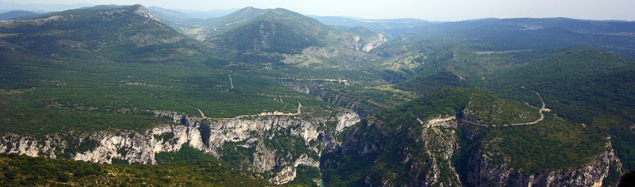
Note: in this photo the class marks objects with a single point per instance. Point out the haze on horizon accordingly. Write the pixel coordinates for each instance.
(433, 10)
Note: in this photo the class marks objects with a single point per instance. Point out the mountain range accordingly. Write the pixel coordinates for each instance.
(271, 96)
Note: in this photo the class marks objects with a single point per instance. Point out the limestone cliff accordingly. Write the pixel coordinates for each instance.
(484, 173)
(400, 158)
(397, 158)
(215, 136)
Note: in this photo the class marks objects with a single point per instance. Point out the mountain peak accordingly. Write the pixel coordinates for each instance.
(282, 11)
(132, 31)
(248, 10)
(143, 11)
(272, 30)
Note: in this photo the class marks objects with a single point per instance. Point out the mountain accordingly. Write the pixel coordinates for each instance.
(482, 46)
(536, 33)
(459, 137)
(503, 72)
(163, 13)
(209, 14)
(581, 83)
(377, 24)
(393, 28)
(287, 32)
(582, 26)
(171, 17)
(277, 30)
(291, 30)
(204, 28)
(18, 15)
(586, 70)
(221, 24)
(122, 34)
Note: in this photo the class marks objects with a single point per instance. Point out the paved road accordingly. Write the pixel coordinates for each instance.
(541, 110)
(542, 116)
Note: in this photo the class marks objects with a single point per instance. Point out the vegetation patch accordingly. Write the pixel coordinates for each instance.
(186, 153)
(29, 171)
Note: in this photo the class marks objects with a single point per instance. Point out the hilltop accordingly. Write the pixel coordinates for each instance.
(119, 34)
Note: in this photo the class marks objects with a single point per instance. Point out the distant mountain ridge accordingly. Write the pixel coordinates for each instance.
(393, 28)
(130, 32)
(210, 13)
(277, 30)
(202, 29)
(536, 33)
(583, 26)
(270, 31)
(18, 14)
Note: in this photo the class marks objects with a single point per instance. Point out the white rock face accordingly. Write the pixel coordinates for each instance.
(105, 15)
(264, 159)
(590, 174)
(374, 42)
(20, 145)
(286, 175)
(140, 147)
(305, 160)
(447, 122)
(346, 120)
(142, 11)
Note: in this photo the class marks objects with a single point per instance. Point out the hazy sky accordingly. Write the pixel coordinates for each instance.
(434, 10)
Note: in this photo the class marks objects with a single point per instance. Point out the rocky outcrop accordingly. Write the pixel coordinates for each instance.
(447, 122)
(346, 120)
(286, 175)
(105, 14)
(483, 173)
(432, 167)
(371, 43)
(208, 135)
(103, 147)
(329, 96)
(321, 90)
(142, 11)
(423, 158)
(23, 145)
(140, 148)
(360, 40)
(428, 159)
(110, 29)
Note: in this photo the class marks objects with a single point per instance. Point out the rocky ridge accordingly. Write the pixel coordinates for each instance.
(429, 160)
(98, 30)
(208, 135)
(591, 174)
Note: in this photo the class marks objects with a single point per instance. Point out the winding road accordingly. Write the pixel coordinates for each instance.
(541, 110)
(542, 116)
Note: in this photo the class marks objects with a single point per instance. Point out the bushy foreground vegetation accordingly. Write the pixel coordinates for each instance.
(28, 171)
